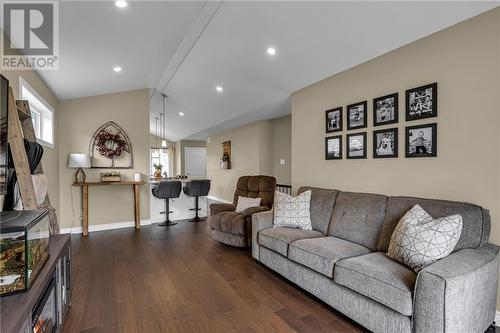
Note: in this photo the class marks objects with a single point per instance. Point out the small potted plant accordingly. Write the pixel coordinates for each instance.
(158, 167)
(110, 176)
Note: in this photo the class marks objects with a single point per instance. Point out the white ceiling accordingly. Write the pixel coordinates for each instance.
(186, 49)
(95, 36)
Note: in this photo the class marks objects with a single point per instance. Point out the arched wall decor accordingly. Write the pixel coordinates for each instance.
(110, 148)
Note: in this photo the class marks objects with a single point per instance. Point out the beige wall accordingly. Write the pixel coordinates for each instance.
(79, 118)
(50, 160)
(282, 149)
(255, 149)
(266, 148)
(180, 168)
(245, 159)
(464, 60)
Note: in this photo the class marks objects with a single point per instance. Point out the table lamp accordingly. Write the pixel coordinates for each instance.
(79, 161)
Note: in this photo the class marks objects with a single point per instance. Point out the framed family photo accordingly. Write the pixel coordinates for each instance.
(421, 141)
(333, 120)
(421, 102)
(385, 110)
(385, 143)
(356, 115)
(356, 145)
(333, 147)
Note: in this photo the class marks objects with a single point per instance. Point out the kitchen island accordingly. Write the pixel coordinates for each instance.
(179, 206)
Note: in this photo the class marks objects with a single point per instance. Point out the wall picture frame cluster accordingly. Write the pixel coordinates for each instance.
(420, 140)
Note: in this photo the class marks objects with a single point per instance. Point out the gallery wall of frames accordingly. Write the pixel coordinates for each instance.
(420, 140)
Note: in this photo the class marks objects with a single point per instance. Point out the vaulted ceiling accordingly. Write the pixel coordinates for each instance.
(185, 49)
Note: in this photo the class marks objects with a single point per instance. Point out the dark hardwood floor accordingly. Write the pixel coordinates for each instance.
(178, 280)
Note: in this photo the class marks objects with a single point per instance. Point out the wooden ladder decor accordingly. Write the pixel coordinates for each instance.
(19, 157)
(21, 127)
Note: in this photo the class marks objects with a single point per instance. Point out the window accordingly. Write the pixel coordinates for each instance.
(159, 156)
(42, 114)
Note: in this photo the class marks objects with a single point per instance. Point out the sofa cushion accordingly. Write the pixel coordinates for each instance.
(380, 278)
(228, 222)
(358, 217)
(322, 202)
(476, 220)
(278, 239)
(321, 254)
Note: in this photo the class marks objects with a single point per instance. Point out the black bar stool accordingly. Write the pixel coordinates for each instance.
(197, 188)
(167, 190)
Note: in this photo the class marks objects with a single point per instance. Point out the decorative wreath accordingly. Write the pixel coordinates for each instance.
(110, 145)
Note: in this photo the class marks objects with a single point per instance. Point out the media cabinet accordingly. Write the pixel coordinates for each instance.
(49, 298)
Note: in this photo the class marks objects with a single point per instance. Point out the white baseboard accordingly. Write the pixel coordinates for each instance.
(497, 318)
(219, 199)
(102, 227)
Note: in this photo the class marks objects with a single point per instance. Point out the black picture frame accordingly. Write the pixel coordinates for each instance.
(410, 104)
(348, 150)
(340, 121)
(352, 108)
(377, 110)
(433, 136)
(331, 156)
(377, 151)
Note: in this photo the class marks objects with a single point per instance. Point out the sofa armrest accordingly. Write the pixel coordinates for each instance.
(221, 207)
(253, 210)
(457, 293)
(260, 221)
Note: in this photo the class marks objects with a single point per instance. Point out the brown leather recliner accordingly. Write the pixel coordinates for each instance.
(232, 228)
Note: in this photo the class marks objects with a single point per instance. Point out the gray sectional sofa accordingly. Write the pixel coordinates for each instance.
(343, 262)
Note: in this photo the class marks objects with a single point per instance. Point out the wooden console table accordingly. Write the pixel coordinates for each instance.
(85, 201)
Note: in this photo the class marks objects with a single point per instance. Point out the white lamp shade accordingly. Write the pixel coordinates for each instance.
(79, 161)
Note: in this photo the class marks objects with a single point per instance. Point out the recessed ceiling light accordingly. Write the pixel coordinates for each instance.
(271, 51)
(181, 114)
(121, 3)
(117, 69)
(219, 89)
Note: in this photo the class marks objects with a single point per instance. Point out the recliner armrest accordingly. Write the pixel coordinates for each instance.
(221, 207)
(253, 210)
(260, 221)
(457, 293)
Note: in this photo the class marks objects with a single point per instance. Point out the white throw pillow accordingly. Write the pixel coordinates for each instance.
(292, 212)
(244, 203)
(419, 240)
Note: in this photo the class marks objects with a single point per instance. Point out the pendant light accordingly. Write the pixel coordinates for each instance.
(164, 134)
(156, 152)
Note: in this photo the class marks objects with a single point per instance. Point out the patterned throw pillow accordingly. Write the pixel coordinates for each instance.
(292, 212)
(419, 240)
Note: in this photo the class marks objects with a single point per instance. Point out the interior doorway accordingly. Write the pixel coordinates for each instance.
(195, 161)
